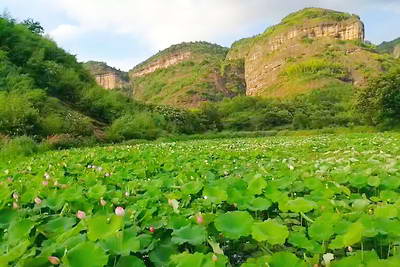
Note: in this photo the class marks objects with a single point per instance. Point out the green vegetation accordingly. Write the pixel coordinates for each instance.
(205, 76)
(197, 48)
(244, 202)
(388, 47)
(380, 101)
(316, 68)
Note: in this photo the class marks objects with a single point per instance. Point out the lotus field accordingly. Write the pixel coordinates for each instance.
(278, 201)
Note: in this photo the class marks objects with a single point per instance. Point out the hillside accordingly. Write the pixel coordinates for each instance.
(108, 77)
(392, 47)
(44, 91)
(186, 75)
(310, 49)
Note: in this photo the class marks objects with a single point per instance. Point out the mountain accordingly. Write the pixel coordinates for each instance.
(310, 49)
(186, 75)
(392, 47)
(108, 77)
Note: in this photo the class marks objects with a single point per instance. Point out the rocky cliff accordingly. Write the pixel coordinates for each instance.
(396, 51)
(324, 38)
(106, 76)
(186, 75)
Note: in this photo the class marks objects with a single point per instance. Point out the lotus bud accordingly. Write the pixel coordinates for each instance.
(214, 258)
(45, 183)
(38, 201)
(152, 229)
(15, 205)
(103, 202)
(127, 194)
(119, 211)
(47, 176)
(54, 260)
(350, 249)
(15, 196)
(81, 215)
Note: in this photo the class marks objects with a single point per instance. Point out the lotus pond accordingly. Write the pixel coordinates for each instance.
(278, 201)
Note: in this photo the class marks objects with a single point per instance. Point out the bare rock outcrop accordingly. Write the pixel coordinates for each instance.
(162, 63)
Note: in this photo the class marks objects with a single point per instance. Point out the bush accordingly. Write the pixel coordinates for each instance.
(379, 102)
(66, 141)
(19, 147)
(144, 125)
(17, 114)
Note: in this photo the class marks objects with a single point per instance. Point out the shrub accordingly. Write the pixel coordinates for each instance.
(19, 147)
(144, 125)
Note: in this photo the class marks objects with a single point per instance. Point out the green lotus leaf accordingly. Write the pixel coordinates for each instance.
(374, 181)
(270, 231)
(14, 253)
(19, 230)
(97, 191)
(192, 188)
(386, 211)
(256, 185)
(6, 217)
(321, 230)
(285, 259)
(299, 239)
(130, 261)
(391, 182)
(360, 204)
(198, 260)
(122, 243)
(301, 205)
(354, 234)
(259, 204)
(86, 254)
(101, 226)
(57, 226)
(215, 194)
(194, 235)
(161, 255)
(234, 224)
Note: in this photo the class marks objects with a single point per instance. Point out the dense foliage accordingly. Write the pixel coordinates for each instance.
(278, 201)
(380, 101)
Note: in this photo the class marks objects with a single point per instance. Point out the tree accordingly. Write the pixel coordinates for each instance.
(33, 26)
(379, 102)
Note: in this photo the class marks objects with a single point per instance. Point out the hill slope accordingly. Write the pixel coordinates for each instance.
(392, 47)
(310, 49)
(45, 91)
(187, 74)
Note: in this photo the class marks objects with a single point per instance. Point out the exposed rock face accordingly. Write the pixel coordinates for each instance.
(109, 80)
(267, 54)
(396, 51)
(162, 63)
(106, 76)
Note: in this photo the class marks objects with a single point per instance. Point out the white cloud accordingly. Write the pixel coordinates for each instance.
(161, 23)
(65, 32)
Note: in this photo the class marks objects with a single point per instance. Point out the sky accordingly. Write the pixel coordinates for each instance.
(124, 33)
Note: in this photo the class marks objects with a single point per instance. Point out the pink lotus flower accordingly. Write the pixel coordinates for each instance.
(119, 211)
(81, 215)
(103, 202)
(200, 218)
(152, 229)
(38, 201)
(54, 260)
(45, 183)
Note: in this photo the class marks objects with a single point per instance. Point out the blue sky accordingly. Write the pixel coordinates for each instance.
(125, 32)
